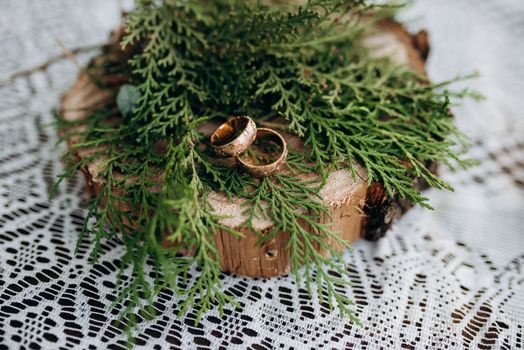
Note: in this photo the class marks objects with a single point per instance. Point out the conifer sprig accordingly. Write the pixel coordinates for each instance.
(196, 60)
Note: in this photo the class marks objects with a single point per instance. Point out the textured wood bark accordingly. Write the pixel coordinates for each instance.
(356, 210)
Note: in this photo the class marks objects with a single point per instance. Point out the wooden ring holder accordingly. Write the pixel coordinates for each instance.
(356, 210)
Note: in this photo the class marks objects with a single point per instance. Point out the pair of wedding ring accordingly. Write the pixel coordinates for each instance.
(233, 138)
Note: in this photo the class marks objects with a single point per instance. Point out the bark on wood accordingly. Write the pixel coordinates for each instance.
(356, 210)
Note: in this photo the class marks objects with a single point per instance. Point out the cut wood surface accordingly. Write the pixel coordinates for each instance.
(356, 210)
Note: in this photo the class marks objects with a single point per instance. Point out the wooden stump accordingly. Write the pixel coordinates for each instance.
(355, 209)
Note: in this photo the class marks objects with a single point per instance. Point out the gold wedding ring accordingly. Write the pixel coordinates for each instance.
(257, 170)
(234, 136)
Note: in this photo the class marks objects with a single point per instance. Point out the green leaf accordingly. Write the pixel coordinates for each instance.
(127, 99)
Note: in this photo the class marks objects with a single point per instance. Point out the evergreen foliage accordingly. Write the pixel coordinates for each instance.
(193, 61)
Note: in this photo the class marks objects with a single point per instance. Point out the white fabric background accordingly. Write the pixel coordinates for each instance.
(449, 278)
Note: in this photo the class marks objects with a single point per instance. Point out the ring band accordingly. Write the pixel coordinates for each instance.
(266, 169)
(234, 136)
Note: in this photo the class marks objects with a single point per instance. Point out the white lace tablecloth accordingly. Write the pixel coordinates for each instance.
(449, 278)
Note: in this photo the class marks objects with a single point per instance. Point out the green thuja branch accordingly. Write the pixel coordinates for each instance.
(305, 70)
(294, 205)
